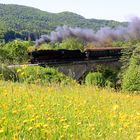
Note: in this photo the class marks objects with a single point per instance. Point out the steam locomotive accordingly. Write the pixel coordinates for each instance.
(43, 56)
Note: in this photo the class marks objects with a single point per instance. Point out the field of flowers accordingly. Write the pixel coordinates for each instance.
(35, 112)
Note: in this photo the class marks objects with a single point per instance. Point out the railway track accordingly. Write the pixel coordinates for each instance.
(57, 63)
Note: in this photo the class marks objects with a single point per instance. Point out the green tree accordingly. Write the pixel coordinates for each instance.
(71, 44)
(131, 77)
(17, 51)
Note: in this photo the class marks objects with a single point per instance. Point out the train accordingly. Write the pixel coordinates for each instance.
(100, 53)
(60, 55)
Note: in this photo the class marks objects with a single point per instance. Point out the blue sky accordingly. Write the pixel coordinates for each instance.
(120, 10)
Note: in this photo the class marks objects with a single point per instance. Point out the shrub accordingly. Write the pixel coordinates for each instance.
(131, 77)
(7, 73)
(94, 78)
(110, 75)
(16, 51)
(34, 74)
(109, 84)
(4, 57)
(37, 74)
(71, 44)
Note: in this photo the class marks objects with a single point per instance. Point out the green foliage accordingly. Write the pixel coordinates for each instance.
(127, 44)
(94, 78)
(4, 58)
(105, 77)
(125, 58)
(49, 46)
(34, 74)
(71, 44)
(7, 73)
(110, 75)
(131, 77)
(68, 43)
(14, 52)
(42, 75)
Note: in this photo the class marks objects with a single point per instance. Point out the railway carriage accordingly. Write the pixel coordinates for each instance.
(43, 56)
(99, 53)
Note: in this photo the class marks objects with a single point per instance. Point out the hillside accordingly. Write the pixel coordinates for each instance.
(26, 21)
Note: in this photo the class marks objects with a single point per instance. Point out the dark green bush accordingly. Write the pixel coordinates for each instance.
(94, 78)
(131, 76)
(4, 57)
(110, 75)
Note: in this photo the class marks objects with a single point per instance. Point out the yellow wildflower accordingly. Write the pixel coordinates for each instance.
(15, 137)
(66, 126)
(112, 124)
(79, 123)
(138, 137)
(32, 120)
(120, 129)
(39, 125)
(18, 70)
(30, 129)
(23, 73)
(115, 107)
(14, 112)
(1, 130)
(3, 118)
(25, 121)
(45, 126)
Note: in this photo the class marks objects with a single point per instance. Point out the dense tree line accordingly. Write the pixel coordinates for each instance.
(24, 35)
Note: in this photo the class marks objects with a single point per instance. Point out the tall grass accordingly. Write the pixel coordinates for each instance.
(35, 112)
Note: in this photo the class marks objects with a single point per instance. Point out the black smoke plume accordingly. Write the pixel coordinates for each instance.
(132, 31)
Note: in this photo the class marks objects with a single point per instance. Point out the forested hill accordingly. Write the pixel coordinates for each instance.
(26, 22)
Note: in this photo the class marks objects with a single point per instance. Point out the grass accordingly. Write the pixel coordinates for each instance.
(38, 112)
